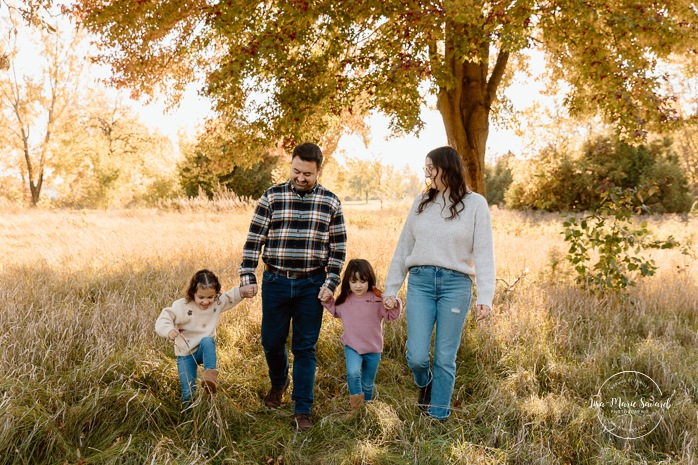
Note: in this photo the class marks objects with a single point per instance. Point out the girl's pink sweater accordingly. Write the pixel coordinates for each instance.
(362, 319)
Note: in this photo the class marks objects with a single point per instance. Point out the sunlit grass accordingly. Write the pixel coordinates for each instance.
(84, 379)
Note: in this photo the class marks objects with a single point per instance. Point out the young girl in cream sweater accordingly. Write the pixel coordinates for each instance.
(191, 323)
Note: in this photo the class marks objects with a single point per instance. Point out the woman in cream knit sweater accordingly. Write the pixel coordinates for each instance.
(445, 245)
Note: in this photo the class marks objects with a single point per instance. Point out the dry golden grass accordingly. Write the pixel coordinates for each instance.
(84, 379)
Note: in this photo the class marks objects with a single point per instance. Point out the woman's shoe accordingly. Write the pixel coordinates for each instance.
(424, 398)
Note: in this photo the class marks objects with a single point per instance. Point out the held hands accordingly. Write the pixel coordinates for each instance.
(483, 311)
(389, 302)
(249, 291)
(325, 294)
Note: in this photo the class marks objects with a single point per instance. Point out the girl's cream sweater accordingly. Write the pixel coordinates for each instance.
(192, 322)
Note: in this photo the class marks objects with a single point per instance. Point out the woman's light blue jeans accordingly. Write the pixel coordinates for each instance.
(436, 297)
(204, 355)
(361, 371)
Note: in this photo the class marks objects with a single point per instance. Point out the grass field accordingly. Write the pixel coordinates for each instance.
(85, 380)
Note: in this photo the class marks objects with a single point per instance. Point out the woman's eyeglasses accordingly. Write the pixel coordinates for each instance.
(428, 170)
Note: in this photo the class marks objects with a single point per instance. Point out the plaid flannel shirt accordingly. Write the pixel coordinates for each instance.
(299, 233)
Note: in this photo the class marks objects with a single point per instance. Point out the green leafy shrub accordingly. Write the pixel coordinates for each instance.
(498, 178)
(203, 171)
(543, 183)
(560, 180)
(606, 244)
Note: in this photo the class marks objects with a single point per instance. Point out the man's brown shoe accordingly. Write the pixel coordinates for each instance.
(273, 398)
(302, 422)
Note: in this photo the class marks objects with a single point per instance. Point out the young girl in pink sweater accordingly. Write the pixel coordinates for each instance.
(360, 307)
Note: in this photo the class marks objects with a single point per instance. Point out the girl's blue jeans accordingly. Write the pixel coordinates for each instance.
(187, 365)
(436, 298)
(361, 371)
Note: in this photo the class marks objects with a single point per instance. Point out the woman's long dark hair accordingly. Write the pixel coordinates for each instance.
(202, 279)
(361, 268)
(449, 163)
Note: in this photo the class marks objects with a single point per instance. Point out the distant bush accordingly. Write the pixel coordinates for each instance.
(200, 172)
(161, 188)
(10, 190)
(539, 183)
(498, 178)
(559, 180)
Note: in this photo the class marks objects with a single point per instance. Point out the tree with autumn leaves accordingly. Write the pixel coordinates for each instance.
(34, 110)
(286, 71)
(60, 133)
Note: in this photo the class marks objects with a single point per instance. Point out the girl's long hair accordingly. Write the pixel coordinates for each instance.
(449, 163)
(361, 268)
(202, 279)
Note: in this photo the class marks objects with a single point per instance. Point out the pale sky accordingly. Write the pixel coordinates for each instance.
(409, 150)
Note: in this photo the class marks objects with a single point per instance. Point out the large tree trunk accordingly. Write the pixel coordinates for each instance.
(465, 107)
(466, 120)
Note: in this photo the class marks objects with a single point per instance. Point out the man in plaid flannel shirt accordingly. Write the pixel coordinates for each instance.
(300, 226)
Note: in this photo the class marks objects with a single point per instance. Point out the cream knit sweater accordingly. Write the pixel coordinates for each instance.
(192, 322)
(462, 244)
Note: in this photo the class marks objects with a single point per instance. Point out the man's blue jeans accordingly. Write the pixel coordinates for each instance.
(204, 355)
(287, 302)
(436, 297)
(361, 371)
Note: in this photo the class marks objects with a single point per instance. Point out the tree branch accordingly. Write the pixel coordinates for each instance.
(496, 77)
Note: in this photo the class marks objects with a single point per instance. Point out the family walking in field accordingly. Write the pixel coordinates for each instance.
(298, 230)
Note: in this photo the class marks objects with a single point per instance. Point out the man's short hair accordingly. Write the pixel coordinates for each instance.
(308, 152)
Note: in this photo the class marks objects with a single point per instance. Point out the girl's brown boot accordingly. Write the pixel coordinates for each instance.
(210, 381)
(356, 401)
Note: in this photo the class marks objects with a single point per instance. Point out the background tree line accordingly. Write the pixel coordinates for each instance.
(67, 140)
(213, 162)
(78, 145)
